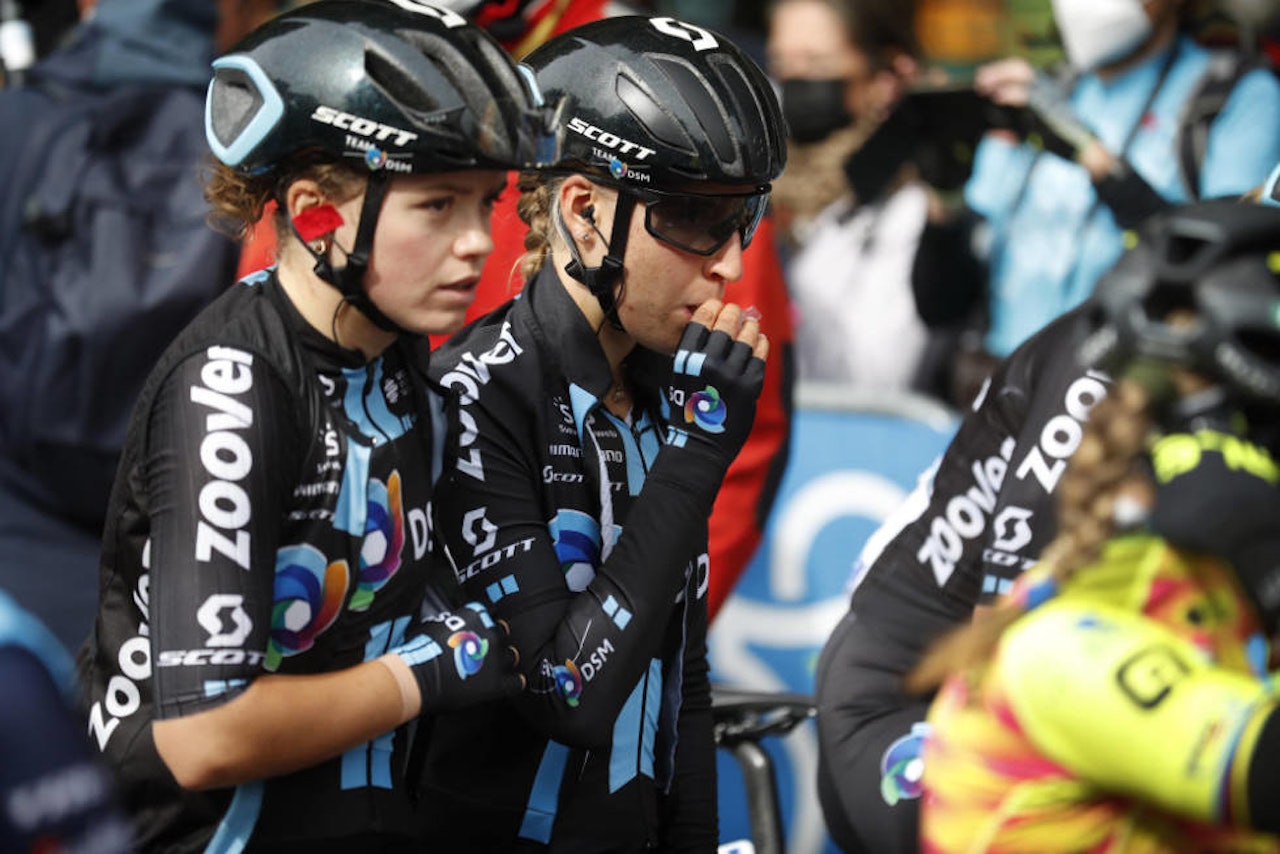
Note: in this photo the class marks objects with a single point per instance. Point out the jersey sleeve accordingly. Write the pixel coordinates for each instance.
(220, 458)
(583, 650)
(1135, 709)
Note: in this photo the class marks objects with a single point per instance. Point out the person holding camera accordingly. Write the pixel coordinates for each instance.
(1146, 118)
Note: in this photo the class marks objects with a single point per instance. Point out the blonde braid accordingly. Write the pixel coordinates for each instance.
(534, 208)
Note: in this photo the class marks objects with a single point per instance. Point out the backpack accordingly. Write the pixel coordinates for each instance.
(1219, 80)
(105, 254)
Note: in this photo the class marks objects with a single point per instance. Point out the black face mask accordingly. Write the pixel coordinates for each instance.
(814, 109)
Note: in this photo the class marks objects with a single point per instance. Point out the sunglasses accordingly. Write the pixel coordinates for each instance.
(701, 224)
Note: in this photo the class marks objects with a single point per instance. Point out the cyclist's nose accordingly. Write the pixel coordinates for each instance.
(726, 265)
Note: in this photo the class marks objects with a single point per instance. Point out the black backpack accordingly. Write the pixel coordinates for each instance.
(105, 254)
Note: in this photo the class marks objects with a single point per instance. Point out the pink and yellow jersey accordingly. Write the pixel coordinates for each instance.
(1119, 716)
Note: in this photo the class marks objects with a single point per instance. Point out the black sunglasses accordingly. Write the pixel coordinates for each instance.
(701, 224)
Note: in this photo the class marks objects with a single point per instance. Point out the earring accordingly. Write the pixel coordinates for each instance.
(320, 246)
(585, 237)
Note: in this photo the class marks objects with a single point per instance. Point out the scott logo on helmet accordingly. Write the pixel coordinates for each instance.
(608, 140)
(363, 127)
(448, 17)
(698, 37)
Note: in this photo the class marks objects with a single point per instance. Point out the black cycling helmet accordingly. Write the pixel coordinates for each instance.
(670, 114)
(399, 86)
(1218, 259)
(656, 103)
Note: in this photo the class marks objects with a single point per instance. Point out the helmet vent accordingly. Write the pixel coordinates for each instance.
(233, 103)
(1165, 299)
(396, 82)
(651, 116)
(1182, 249)
(707, 111)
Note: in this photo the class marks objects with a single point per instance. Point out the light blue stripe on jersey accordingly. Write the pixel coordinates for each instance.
(236, 826)
(652, 706)
(635, 464)
(352, 509)
(370, 412)
(636, 729)
(369, 764)
(540, 813)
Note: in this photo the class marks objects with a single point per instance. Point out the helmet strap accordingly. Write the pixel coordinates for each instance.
(601, 280)
(349, 279)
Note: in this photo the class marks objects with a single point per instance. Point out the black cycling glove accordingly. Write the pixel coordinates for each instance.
(715, 382)
(1216, 492)
(461, 659)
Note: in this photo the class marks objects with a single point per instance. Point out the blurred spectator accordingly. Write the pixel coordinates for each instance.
(104, 255)
(54, 794)
(842, 65)
(1099, 152)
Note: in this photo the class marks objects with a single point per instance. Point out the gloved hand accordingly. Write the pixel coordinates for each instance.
(1217, 493)
(1051, 124)
(715, 381)
(462, 658)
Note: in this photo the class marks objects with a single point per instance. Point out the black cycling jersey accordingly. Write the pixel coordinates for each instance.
(270, 516)
(579, 529)
(975, 522)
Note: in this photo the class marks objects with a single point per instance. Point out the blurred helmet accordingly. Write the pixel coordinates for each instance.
(399, 85)
(655, 103)
(1200, 289)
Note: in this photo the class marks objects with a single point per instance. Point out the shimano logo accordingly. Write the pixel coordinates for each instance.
(225, 508)
(362, 127)
(611, 141)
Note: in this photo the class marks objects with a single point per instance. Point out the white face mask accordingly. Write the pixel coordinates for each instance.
(1098, 32)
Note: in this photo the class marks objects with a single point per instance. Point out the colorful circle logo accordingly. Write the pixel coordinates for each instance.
(902, 766)
(706, 409)
(375, 158)
(617, 168)
(469, 650)
(569, 682)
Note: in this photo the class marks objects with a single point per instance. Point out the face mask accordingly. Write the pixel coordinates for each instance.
(814, 108)
(1098, 32)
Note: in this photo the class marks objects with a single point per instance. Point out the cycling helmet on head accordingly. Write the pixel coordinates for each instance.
(662, 109)
(1218, 262)
(658, 103)
(397, 85)
(391, 86)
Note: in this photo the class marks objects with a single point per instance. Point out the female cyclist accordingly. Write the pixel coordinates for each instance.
(256, 649)
(1118, 698)
(589, 457)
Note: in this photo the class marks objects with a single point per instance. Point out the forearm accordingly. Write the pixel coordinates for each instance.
(269, 730)
(1131, 199)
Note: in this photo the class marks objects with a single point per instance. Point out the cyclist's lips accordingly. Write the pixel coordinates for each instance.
(460, 288)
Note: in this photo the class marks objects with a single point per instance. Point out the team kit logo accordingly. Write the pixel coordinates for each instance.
(706, 409)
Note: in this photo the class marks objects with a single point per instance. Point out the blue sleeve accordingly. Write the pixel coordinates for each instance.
(1244, 143)
(54, 796)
